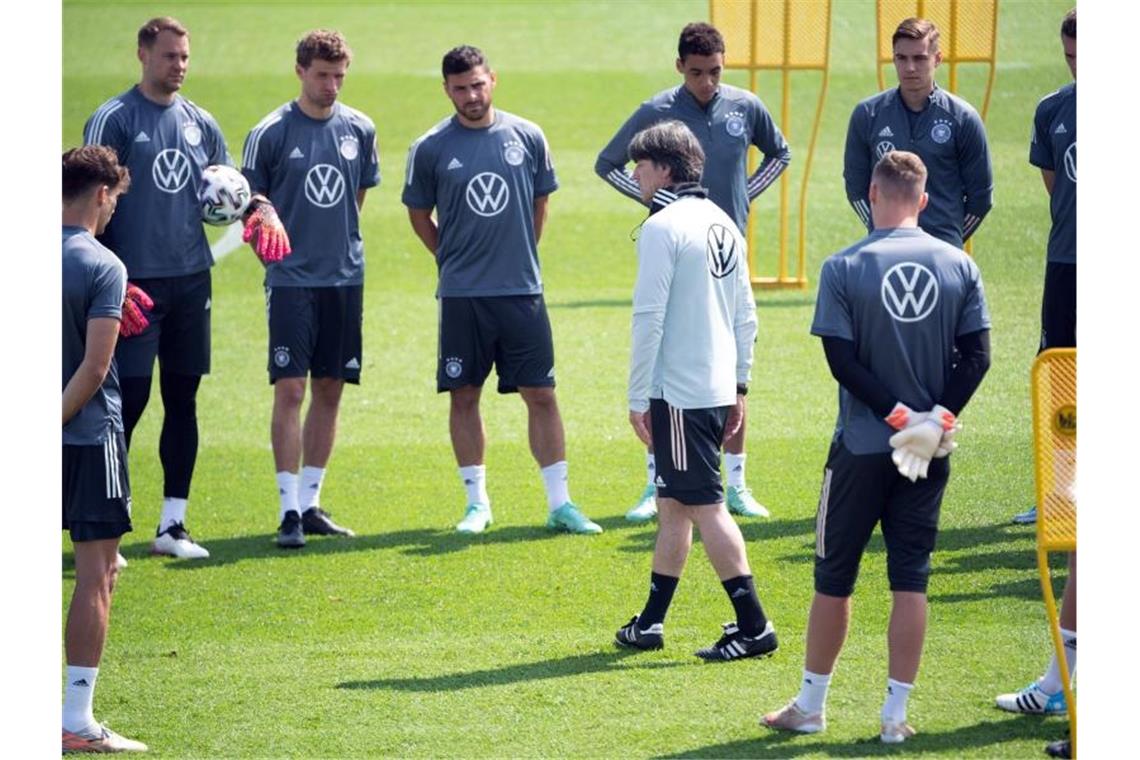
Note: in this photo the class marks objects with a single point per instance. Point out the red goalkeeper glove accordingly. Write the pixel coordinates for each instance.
(264, 231)
(135, 304)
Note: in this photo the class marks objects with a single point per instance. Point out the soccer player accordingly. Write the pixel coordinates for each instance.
(96, 489)
(313, 158)
(166, 141)
(726, 120)
(1054, 151)
(890, 311)
(488, 175)
(942, 129)
(694, 323)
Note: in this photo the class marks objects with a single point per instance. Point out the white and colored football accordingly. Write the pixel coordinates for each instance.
(223, 195)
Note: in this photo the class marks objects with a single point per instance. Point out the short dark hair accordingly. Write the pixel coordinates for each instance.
(325, 44)
(917, 29)
(901, 175)
(672, 144)
(699, 38)
(1069, 25)
(90, 166)
(149, 31)
(460, 60)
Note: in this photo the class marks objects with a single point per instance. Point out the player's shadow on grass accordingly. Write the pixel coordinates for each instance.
(418, 542)
(972, 739)
(753, 529)
(562, 667)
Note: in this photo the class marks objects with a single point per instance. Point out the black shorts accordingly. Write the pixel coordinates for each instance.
(315, 331)
(857, 493)
(511, 332)
(179, 329)
(96, 490)
(687, 446)
(1059, 306)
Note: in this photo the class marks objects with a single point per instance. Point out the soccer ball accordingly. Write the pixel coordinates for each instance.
(223, 195)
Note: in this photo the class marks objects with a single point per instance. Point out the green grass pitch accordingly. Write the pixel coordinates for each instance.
(413, 641)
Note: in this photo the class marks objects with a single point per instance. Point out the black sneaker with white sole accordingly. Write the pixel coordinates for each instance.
(290, 535)
(629, 635)
(315, 522)
(734, 645)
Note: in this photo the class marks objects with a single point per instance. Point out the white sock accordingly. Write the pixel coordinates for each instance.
(557, 484)
(173, 511)
(1051, 683)
(287, 488)
(80, 692)
(474, 479)
(734, 466)
(311, 480)
(894, 707)
(813, 692)
(651, 468)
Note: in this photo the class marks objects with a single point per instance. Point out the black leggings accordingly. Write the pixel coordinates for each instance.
(178, 442)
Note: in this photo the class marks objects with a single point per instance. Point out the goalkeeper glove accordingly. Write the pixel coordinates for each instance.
(264, 231)
(948, 444)
(135, 303)
(902, 416)
(915, 446)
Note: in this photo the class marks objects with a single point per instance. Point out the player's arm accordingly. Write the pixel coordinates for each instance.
(360, 198)
(655, 265)
(1040, 146)
(976, 173)
(102, 333)
(613, 159)
(425, 228)
(369, 167)
(777, 155)
(262, 227)
(1048, 176)
(843, 361)
(857, 166)
(540, 212)
(973, 363)
(744, 322)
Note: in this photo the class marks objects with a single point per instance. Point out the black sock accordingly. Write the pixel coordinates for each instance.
(661, 588)
(749, 614)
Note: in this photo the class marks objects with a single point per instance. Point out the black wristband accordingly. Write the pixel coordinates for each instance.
(741, 390)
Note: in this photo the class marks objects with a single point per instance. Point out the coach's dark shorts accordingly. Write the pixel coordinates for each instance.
(179, 329)
(315, 331)
(686, 443)
(511, 332)
(1059, 306)
(859, 491)
(96, 490)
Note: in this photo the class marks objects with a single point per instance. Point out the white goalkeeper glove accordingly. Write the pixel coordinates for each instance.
(914, 446)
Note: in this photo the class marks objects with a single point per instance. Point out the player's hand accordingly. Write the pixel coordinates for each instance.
(915, 446)
(735, 418)
(641, 426)
(948, 444)
(264, 231)
(135, 305)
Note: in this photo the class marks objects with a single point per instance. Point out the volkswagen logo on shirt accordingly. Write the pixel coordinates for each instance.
(324, 185)
(883, 148)
(170, 170)
(1071, 162)
(722, 254)
(909, 291)
(487, 194)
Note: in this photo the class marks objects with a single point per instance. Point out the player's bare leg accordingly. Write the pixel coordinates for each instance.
(905, 634)
(826, 632)
(317, 437)
(548, 446)
(674, 538)
(469, 442)
(285, 434)
(723, 540)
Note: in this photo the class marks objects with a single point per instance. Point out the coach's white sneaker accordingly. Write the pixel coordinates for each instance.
(175, 541)
(475, 519)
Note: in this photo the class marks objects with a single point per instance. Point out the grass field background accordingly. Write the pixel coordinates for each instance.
(411, 640)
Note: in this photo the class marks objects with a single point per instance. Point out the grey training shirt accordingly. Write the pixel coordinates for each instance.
(311, 170)
(94, 284)
(482, 183)
(157, 227)
(901, 296)
(1054, 147)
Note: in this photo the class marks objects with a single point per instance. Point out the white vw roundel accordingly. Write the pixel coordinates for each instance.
(883, 148)
(909, 291)
(170, 170)
(324, 185)
(721, 250)
(1071, 162)
(487, 194)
